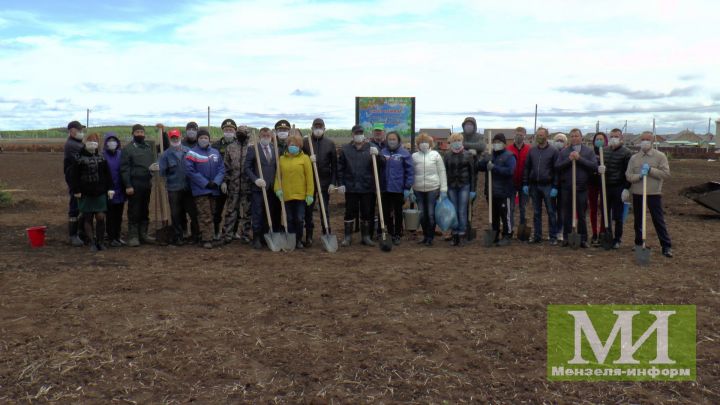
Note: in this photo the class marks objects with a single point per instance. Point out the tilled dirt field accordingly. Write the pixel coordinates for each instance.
(417, 325)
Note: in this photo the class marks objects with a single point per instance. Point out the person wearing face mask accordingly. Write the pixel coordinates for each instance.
(237, 188)
(282, 131)
(191, 130)
(540, 182)
(501, 163)
(396, 182)
(91, 183)
(357, 182)
(205, 171)
(520, 149)
(172, 169)
(112, 153)
(430, 182)
(72, 147)
(617, 157)
(267, 158)
(326, 160)
(136, 166)
(652, 164)
(559, 142)
(586, 166)
(461, 173)
(595, 190)
(298, 187)
(229, 128)
(378, 141)
(472, 141)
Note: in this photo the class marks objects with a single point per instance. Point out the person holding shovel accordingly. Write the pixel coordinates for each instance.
(502, 165)
(396, 183)
(237, 189)
(229, 129)
(282, 132)
(205, 171)
(136, 169)
(268, 165)
(540, 182)
(191, 131)
(617, 158)
(430, 183)
(298, 187)
(520, 150)
(72, 147)
(586, 166)
(560, 142)
(652, 164)
(91, 183)
(112, 152)
(472, 141)
(172, 169)
(595, 191)
(326, 161)
(461, 173)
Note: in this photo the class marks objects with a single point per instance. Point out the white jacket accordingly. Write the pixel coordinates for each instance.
(429, 172)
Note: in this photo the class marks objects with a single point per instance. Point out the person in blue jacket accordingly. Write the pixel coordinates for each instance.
(205, 171)
(172, 169)
(502, 166)
(395, 183)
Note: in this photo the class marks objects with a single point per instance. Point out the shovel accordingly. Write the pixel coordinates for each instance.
(273, 240)
(164, 232)
(489, 235)
(574, 237)
(642, 254)
(385, 242)
(606, 238)
(328, 240)
(471, 232)
(289, 239)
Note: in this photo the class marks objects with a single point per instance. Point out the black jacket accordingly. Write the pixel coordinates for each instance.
(460, 169)
(135, 164)
(355, 169)
(586, 167)
(268, 168)
(327, 160)
(89, 174)
(540, 167)
(72, 148)
(616, 163)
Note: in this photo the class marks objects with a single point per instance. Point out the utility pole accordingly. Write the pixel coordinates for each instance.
(87, 119)
(208, 118)
(654, 135)
(535, 127)
(709, 137)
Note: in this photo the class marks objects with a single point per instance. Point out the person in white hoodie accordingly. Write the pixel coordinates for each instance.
(430, 182)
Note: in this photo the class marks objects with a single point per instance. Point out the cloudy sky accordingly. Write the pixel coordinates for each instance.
(259, 61)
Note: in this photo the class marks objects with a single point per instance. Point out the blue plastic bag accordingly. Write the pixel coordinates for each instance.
(445, 214)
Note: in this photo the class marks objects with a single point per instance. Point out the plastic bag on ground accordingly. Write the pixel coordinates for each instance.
(445, 214)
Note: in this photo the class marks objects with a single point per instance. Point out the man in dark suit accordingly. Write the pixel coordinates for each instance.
(257, 206)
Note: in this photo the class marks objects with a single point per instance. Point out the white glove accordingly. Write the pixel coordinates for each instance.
(111, 194)
(341, 189)
(472, 152)
(490, 165)
(374, 151)
(625, 196)
(601, 169)
(331, 189)
(223, 188)
(77, 195)
(260, 183)
(154, 167)
(313, 158)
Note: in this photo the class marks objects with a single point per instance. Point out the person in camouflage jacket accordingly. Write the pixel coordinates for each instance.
(237, 187)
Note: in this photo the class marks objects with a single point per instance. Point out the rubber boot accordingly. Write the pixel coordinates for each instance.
(349, 227)
(366, 230)
(308, 238)
(144, 237)
(100, 230)
(73, 232)
(256, 242)
(133, 235)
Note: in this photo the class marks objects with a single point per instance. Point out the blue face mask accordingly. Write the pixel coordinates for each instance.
(456, 146)
(293, 149)
(599, 143)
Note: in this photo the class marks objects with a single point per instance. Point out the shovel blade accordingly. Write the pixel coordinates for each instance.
(606, 240)
(385, 243)
(574, 239)
(274, 241)
(642, 256)
(471, 234)
(330, 243)
(488, 238)
(289, 242)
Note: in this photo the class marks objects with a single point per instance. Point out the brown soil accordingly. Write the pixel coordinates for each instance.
(417, 325)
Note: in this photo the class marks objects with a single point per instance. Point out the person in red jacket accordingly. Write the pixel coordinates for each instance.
(520, 149)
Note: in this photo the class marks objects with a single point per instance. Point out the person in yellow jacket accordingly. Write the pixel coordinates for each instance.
(297, 185)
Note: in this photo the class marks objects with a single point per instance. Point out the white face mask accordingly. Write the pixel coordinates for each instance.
(559, 144)
(645, 145)
(111, 145)
(79, 135)
(318, 132)
(614, 141)
(497, 147)
(424, 147)
(359, 138)
(229, 136)
(264, 141)
(283, 135)
(91, 146)
(175, 143)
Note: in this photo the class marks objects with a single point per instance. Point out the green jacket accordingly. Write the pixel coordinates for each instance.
(135, 165)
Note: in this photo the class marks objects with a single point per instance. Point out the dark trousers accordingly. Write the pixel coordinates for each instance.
(219, 209)
(392, 204)
(615, 212)
(540, 193)
(182, 205)
(114, 220)
(295, 210)
(568, 211)
(654, 204)
(559, 223)
(259, 218)
(359, 203)
(426, 205)
(138, 203)
(73, 210)
(309, 225)
(501, 215)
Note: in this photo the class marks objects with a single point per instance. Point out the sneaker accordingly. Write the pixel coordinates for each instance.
(553, 242)
(584, 245)
(504, 242)
(93, 247)
(299, 245)
(101, 247)
(237, 236)
(396, 240)
(667, 252)
(616, 245)
(565, 243)
(534, 240)
(423, 241)
(115, 243)
(594, 241)
(428, 242)
(207, 245)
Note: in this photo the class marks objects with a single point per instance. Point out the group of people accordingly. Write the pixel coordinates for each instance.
(239, 188)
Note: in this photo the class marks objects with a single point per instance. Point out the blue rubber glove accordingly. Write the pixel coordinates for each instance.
(413, 199)
(473, 196)
(553, 192)
(443, 196)
(644, 170)
(406, 194)
(279, 194)
(309, 200)
(526, 190)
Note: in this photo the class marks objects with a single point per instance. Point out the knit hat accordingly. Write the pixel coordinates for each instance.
(203, 132)
(499, 137)
(76, 125)
(137, 127)
(318, 122)
(191, 124)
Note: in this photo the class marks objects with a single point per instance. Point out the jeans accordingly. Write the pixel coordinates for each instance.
(295, 210)
(522, 202)
(541, 193)
(568, 211)
(654, 204)
(426, 204)
(460, 196)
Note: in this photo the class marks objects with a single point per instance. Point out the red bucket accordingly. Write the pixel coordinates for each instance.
(36, 234)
